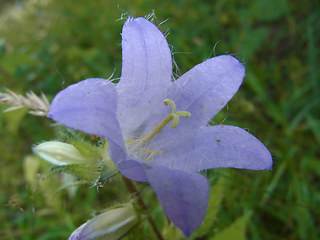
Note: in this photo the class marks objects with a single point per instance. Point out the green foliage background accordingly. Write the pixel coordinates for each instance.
(48, 45)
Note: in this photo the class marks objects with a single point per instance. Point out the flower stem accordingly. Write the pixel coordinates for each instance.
(132, 189)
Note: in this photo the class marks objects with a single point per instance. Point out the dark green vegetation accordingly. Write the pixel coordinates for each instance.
(46, 47)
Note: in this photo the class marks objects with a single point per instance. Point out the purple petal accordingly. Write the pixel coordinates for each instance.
(183, 196)
(207, 88)
(133, 169)
(117, 152)
(146, 61)
(145, 77)
(90, 106)
(175, 146)
(224, 146)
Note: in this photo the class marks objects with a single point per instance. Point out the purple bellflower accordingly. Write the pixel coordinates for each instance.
(157, 128)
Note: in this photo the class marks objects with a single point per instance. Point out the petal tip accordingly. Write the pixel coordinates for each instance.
(269, 162)
(186, 232)
(236, 62)
(138, 20)
(266, 157)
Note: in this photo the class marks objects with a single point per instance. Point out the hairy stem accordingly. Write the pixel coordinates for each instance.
(132, 189)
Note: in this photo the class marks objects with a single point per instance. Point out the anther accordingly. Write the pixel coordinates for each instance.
(151, 153)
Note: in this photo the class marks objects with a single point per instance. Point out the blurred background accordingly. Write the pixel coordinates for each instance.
(46, 45)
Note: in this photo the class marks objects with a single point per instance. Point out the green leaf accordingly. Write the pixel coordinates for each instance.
(255, 82)
(170, 231)
(236, 231)
(215, 199)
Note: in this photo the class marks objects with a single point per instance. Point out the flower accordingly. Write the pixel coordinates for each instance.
(134, 116)
(111, 224)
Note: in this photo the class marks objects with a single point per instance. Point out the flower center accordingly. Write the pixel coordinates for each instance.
(172, 117)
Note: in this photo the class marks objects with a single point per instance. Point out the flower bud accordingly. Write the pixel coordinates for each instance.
(59, 153)
(111, 225)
